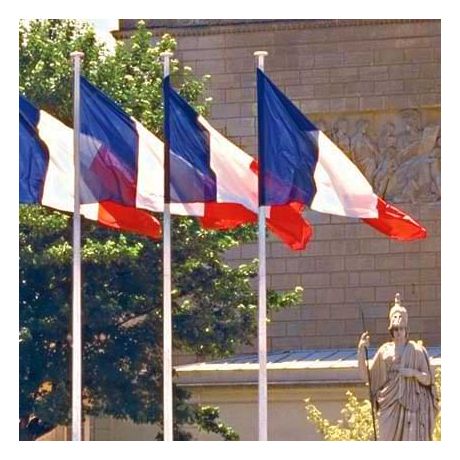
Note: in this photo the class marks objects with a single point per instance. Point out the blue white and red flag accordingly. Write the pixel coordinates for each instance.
(300, 164)
(225, 178)
(46, 174)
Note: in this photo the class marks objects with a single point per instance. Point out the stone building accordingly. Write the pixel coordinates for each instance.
(374, 87)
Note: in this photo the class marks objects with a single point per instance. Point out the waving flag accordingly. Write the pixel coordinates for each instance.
(300, 164)
(226, 178)
(46, 174)
(121, 160)
(190, 174)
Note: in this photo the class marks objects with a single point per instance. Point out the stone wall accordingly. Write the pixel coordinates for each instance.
(326, 68)
(348, 266)
(356, 79)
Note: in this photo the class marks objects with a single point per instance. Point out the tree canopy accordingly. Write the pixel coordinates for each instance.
(214, 303)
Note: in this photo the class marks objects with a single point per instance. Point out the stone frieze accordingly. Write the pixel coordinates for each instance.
(401, 159)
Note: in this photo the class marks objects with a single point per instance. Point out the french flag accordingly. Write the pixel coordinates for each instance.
(46, 174)
(300, 164)
(121, 160)
(206, 167)
(124, 163)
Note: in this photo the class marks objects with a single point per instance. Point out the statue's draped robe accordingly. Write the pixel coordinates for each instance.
(407, 408)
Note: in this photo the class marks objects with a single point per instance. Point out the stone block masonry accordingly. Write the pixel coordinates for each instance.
(332, 69)
(326, 67)
(340, 276)
(366, 275)
(363, 274)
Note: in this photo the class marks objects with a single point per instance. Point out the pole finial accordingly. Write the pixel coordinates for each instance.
(397, 299)
(260, 55)
(77, 54)
(166, 55)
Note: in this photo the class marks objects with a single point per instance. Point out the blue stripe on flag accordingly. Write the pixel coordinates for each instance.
(288, 150)
(108, 149)
(33, 154)
(191, 177)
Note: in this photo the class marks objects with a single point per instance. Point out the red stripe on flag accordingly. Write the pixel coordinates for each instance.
(285, 221)
(395, 223)
(226, 216)
(114, 215)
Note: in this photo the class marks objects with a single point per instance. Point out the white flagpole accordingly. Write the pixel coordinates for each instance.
(167, 317)
(76, 268)
(263, 413)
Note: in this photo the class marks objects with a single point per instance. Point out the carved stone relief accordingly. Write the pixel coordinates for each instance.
(402, 161)
(364, 152)
(340, 135)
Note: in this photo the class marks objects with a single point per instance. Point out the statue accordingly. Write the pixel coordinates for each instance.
(403, 164)
(400, 382)
(403, 184)
(340, 135)
(435, 169)
(412, 179)
(363, 150)
(321, 125)
(409, 139)
(389, 160)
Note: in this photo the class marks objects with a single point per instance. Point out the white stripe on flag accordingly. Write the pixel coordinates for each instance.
(58, 189)
(341, 187)
(150, 177)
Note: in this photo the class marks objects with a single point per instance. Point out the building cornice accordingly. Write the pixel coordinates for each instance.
(233, 26)
(296, 367)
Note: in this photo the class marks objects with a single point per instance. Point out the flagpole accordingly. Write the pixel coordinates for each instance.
(262, 319)
(76, 263)
(371, 399)
(167, 316)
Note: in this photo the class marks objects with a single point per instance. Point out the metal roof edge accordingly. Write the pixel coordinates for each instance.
(322, 373)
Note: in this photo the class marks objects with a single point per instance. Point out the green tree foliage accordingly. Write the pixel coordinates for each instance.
(206, 418)
(356, 422)
(213, 303)
(437, 424)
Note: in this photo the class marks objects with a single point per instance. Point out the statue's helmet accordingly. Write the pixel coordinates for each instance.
(398, 315)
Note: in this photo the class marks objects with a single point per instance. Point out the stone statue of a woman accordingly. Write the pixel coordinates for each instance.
(401, 382)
